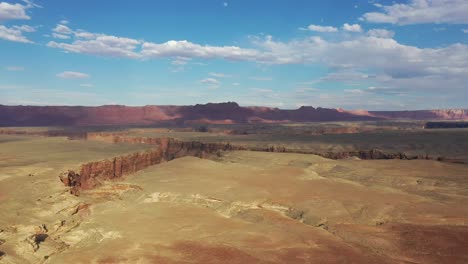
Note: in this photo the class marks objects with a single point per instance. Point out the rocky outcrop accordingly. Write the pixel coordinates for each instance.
(367, 154)
(93, 174)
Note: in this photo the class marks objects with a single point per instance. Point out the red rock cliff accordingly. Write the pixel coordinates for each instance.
(92, 174)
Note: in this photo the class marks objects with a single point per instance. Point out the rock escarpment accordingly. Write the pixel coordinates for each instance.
(92, 174)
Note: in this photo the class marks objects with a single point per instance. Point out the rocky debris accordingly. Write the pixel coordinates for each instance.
(82, 208)
(40, 236)
(247, 211)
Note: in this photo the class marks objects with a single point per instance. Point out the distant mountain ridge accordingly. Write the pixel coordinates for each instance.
(219, 113)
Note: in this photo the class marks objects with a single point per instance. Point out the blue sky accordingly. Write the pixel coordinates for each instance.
(377, 55)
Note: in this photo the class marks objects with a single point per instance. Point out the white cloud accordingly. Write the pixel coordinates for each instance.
(14, 68)
(62, 29)
(185, 48)
(25, 28)
(107, 45)
(13, 34)
(420, 12)
(101, 45)
(13, 11)
(60, 36)
(307, 90)
(352, 28)
(219, 75)
(235, 84)
(465, 31)
(394, 64)
(87, 85)
(64, 22)
(381, 33)
(85, 35)
(322, 28)
(211, 81)
(72, 75)
(345, 76)
(355, 91)
(180, 61)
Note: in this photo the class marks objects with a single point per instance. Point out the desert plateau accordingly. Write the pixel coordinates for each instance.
(387, 191)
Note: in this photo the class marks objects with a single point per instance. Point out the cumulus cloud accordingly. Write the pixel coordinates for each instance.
(318, 28)
(62, 29)
(99, 44)
(420, 12)
(185, 48)
(60, 36)
(13, 11)
(72, 75)
(219, 75)
(14, 33)
(352, 28)
(180, 61)
(395, 64)
(16, 11)
(381, 33)
(345, 76)
(211, 81)
(25, 28)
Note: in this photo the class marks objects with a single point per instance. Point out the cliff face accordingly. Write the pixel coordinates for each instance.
(92, 174)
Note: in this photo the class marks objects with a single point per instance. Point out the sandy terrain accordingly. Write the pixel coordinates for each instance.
(242, 207)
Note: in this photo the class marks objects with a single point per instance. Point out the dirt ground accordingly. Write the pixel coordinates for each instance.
(242, 207)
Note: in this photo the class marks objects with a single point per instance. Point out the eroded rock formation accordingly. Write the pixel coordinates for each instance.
(92, 174)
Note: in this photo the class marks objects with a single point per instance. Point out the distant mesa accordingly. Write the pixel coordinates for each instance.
(211, 113)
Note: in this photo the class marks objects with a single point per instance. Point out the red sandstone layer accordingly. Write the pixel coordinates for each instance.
(92, 174)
